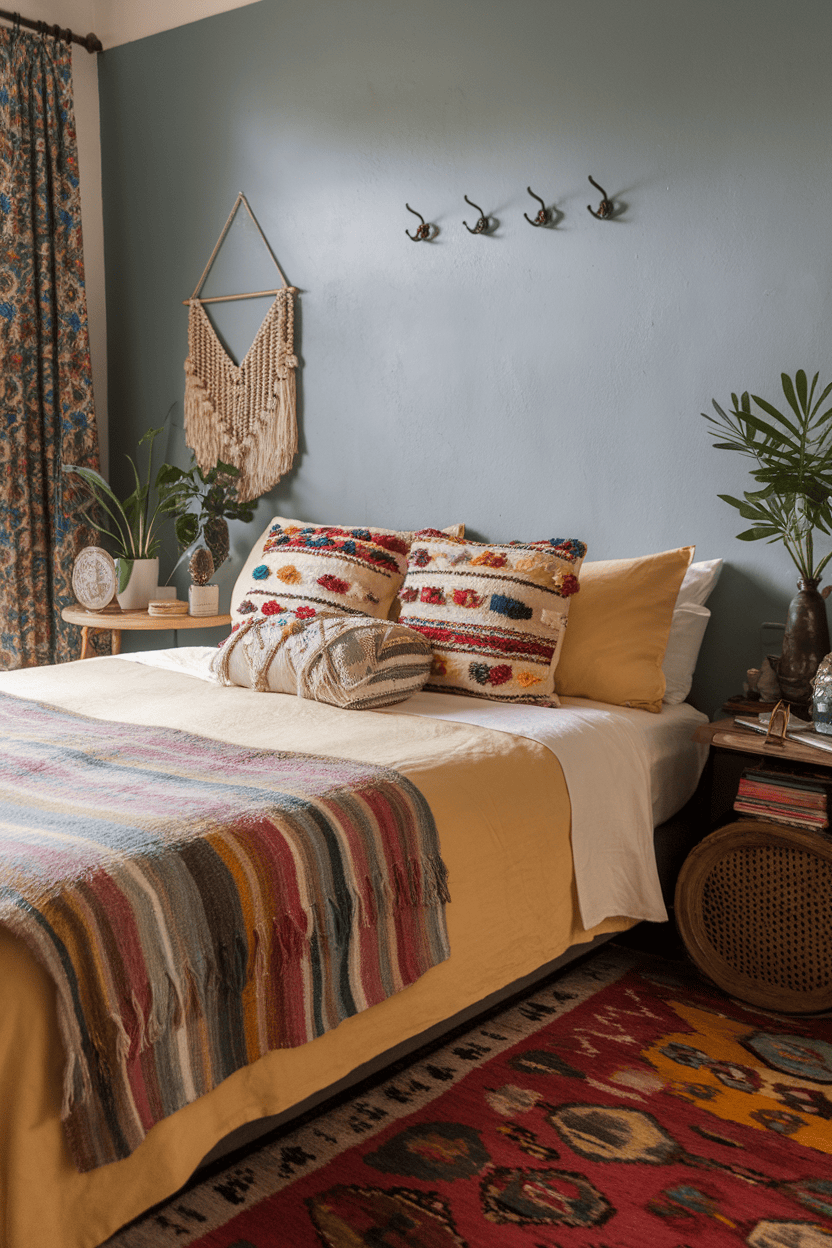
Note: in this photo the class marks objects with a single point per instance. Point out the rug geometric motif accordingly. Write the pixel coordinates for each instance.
(625, 1105)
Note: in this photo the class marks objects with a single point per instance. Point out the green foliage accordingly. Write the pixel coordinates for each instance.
(192, 499)
(793, 458)
(196, 498)
(131, 525)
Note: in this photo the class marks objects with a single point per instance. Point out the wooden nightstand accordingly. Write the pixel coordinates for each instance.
(117, 622)
(754, 898)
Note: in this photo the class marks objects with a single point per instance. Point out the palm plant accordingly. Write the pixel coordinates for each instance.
(793, 458)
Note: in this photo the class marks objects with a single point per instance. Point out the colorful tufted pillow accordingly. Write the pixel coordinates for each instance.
(312, 568)
(494, 614)
(240, 596)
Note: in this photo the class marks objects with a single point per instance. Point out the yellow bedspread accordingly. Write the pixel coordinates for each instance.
(502, 811)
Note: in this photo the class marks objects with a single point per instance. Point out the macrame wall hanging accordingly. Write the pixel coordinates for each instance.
(243, 414)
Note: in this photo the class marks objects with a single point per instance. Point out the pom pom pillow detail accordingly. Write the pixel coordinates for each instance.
(353, 662)
(493, 614)
(255, 558)
(304, 570)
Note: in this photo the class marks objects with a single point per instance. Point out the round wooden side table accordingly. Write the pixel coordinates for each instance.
(117, 622)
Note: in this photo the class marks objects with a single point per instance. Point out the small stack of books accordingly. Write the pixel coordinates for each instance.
(781, 797)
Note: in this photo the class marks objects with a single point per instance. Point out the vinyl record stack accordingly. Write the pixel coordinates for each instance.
(801, 801)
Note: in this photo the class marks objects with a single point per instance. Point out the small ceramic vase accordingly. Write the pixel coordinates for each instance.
(141, 587)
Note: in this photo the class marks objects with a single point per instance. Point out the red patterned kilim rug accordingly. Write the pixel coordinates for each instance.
(625, 1105)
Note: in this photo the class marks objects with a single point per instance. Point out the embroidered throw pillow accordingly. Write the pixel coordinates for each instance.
(245, 581)
(312, 568)
(349, 661)
(493, 614)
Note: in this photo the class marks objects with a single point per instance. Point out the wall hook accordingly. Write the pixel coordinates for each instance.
(422, 231)
(482, 225)
(544, 216)
(605, 208)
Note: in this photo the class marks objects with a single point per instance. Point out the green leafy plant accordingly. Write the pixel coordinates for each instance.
(132, 524)
(793, 458)
(202, 503)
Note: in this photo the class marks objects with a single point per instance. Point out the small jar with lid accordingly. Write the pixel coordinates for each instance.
(822, 697)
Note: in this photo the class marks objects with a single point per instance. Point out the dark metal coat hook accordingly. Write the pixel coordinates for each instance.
(605, 208)
(543, 217)
(422, 231)
(482, 224)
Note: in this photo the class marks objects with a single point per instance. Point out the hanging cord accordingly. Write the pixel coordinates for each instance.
(240, 199)
(91, 42)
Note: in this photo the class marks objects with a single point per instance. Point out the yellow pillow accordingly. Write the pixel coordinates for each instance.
(618, 627)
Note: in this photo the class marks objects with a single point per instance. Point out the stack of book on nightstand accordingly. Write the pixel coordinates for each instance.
(802, 801)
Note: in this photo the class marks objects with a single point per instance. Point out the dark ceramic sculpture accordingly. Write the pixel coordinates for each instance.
(805, 643)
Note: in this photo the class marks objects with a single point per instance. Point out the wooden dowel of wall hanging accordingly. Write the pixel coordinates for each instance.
(252, 294)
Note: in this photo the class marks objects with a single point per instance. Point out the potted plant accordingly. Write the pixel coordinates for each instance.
(131, 525)
(792, 457)
(202, 503)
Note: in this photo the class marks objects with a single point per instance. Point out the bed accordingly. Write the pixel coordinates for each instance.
(528, 857)
(503, 814)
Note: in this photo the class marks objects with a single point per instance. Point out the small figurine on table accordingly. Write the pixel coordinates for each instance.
(204, 599)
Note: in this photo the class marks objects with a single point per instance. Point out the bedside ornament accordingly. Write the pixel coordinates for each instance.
(822, 697)
(204, 599)
(94, 579)
(201, 566)
(768, 686)
(778, 724)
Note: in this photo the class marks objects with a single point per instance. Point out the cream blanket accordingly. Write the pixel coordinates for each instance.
(601, 750)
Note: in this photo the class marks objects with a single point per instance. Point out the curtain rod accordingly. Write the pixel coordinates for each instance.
(91, 42)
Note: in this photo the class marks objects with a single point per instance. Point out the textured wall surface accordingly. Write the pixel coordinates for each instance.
(534, 382)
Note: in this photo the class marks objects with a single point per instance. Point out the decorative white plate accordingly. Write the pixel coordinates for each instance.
(94, 578)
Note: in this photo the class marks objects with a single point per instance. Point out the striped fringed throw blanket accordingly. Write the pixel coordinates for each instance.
(199, 904)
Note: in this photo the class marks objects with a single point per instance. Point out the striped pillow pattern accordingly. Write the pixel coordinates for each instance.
(493, 614)
(356, 663)
(311, 568)
(255, 557)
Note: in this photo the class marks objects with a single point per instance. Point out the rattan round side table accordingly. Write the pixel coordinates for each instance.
(754, 908)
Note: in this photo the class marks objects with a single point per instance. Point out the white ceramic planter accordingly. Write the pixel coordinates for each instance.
(141, 587)
(204, 600)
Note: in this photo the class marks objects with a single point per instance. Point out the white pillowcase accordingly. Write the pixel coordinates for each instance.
(686, 633)
(698, 582)
(690, 619)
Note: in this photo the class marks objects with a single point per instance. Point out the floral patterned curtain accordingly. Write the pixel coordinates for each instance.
(46, 403)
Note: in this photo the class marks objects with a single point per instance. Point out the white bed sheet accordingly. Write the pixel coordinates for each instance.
(626, 770)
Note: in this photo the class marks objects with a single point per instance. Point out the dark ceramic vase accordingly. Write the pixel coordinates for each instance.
(805, 643)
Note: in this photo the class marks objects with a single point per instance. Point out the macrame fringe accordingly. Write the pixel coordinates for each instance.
(246, 415)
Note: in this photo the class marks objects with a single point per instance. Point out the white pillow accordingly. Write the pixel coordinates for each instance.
(698, 582)
(686, 632)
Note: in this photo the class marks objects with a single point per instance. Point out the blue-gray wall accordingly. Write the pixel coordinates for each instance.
(532, 383)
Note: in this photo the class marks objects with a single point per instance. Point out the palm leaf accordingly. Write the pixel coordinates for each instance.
(797, 401)
(775, 415)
